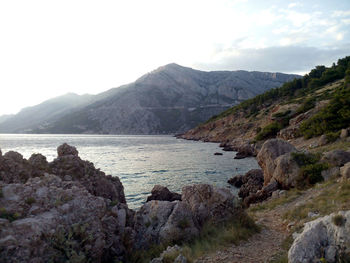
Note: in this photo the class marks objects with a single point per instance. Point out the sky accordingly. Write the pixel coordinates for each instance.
(49, 48)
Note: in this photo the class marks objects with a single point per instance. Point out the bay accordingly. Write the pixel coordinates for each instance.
(140, 161)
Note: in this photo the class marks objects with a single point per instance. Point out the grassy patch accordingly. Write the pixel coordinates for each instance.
(338, 145)
(333, 198)
(30, 200)
(211, 238)
(290, 196)
(214, 237)
(8, 215)
(311, 174)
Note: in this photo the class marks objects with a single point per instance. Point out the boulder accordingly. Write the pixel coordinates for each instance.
(345, 171)
(327, 237)
(252, 181)
(236, 181)
(162, 193)
(163, 222)
(336, 157)
(322, 140)
(330, 173)
(290, 132)
(286, 171)
(66, 149)
(270, 150)
(209, 203)
(218, 153)
(53, 220)
(262, 194)
(39, 164)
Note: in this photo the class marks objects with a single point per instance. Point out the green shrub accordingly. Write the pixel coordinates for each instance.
(332, 136)
(338, 220)
(311, 174)
(332, 118)
(308, 104)
(183, 223)
(8, 215)
(303, 159)
(30, 201)
(269, 131)
(282, 114)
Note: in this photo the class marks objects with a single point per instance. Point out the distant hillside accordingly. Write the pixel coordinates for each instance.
(171, 99)
(33, 117)
(317, 104)
(5, 117)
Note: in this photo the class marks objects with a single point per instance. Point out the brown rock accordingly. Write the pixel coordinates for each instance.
(66, 149)
(236, 181)
(286, 171)
(270, 150)
(162, 193)
(336, 157)
(253, 181)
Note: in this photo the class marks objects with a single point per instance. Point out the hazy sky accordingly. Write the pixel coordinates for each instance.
(48, 48)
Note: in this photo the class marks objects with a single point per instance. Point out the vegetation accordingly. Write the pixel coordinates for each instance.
(297, 88)
(334, 197)
(332, 118)
(11, 216)
(338, 220)
(211, 238)
(269, 131)
(311, 174)
(303, 159)
(30, 201)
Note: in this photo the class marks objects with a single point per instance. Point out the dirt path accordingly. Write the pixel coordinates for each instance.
(260, 247)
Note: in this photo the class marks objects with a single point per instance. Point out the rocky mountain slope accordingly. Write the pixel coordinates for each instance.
(171, 99)
(315, 105)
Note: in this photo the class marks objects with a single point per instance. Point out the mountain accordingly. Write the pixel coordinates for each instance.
(305, 108)
(36, 116)
(170, 99)
(5, 117)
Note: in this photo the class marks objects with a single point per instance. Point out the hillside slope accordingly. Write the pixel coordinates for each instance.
(170, 99)
(311, 106)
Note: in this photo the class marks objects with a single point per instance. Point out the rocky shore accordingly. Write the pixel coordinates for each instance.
(67, 210)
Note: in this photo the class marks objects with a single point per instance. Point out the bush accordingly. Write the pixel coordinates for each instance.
(332, 118)
(332, 136)
(8, 215)
(269, 131)
(308, 104)
(304, 159)
(338, 220)
(311, 174)
(30, 201)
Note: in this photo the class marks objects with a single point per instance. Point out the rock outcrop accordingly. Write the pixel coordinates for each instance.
(162, 193)
(266, 157)
(50, 219)
(336, 157)
(286, 171)
(345, 171)
(326, 238)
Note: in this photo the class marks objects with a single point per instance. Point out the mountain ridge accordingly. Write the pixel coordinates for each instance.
(170, 99)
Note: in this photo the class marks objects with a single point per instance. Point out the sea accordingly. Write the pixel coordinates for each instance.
(141, 162)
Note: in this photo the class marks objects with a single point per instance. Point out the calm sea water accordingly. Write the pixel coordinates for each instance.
(141, 161)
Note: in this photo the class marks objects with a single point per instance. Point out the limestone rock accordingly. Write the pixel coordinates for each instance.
(345, 171)
(270, 150)
(323, 238)
(286, 171)
(336, 157)
(163, 221)
(209, 203)
(330, 173)
(162, 193)
(322, 140)
(47, 213)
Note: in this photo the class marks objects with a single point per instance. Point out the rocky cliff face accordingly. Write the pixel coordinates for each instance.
(171, 99)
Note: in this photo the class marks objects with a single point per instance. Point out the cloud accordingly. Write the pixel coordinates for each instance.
(289, 59)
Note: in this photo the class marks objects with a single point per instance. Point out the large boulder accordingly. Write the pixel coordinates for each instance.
(66, 149)
(47, 219)
(286, 171)
(162, 193)
(336, 157)
(261, 194)
(270, 150)
(163, 222)
(209, 203)
(327, 237)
